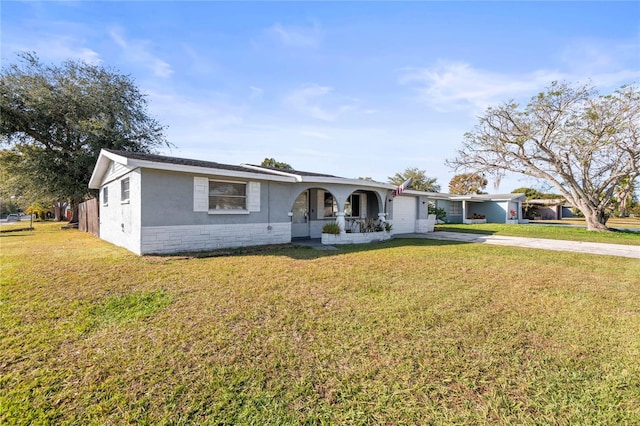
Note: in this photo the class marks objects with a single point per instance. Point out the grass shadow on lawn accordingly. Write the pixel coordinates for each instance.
(466, 230)
(301, 252)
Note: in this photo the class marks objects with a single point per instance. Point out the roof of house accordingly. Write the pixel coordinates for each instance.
(134, 160)
(488, 197)
(291, 171)
(546, 202)
(176, 160)
(250, 171)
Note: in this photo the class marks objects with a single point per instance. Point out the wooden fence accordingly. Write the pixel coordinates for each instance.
(88, 214)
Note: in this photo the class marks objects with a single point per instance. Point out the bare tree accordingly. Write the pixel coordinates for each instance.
(582, 143)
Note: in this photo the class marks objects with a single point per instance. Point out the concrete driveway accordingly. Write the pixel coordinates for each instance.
(538, 243)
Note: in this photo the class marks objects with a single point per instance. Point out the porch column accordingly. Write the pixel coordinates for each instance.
(464, 210)
(340, 220)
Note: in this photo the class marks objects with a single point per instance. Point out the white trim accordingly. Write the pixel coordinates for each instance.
(206, 170)
(122, 192)
(105, 195)
(200, 194)
(253, 196)
(106, 157)
(298, 178)
(228, 211)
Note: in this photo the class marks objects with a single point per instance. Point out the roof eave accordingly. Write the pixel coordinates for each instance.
(104, 158)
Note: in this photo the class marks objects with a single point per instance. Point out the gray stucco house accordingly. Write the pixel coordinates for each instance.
(158, 204)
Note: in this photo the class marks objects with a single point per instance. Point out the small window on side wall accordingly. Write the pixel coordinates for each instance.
(124, 190)
(105, 196)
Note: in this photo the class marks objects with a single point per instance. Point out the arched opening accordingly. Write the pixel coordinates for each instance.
(362, 210)
(350, 206)
(311, 209)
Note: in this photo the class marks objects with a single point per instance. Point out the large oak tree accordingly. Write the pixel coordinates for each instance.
(55, 119)
(582, 143)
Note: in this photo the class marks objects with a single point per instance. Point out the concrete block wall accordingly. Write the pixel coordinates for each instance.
(426, 225)
(184, 238)
(355, 238)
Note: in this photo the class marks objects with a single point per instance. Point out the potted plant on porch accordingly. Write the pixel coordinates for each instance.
(513, 217)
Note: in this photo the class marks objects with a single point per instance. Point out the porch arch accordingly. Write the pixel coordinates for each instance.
(326, 203)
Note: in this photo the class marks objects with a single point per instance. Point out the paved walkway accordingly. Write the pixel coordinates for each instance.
(539, 243)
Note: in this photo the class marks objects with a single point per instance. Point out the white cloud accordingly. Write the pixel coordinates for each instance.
(139, 51)
(600, 55)
(56, 48)
(456, 85)
(199, 63)
(194, 122)
(453, 86)
(606, 63)
(307, 101)
(321, 103)
(296, 36)
(256, 92)
(314, 134)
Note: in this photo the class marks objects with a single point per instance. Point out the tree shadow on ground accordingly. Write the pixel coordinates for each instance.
(466, 230)
(304, 252)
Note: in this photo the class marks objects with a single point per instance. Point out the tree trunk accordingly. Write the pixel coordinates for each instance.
(75, 218)
(58, 211)
(596, 220)
(624, 197)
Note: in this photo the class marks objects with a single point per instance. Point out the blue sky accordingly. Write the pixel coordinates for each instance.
(346, 88)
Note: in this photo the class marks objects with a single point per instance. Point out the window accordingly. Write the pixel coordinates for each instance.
(105, 196)
(352, 206)
(330, 205)
(124, 190)
(455, 208)
(227, 195)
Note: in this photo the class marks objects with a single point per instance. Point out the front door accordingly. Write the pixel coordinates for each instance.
(300, 222)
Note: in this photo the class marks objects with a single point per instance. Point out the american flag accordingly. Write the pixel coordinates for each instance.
(401, 188)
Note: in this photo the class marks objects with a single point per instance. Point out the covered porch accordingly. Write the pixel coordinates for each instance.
(356, 210)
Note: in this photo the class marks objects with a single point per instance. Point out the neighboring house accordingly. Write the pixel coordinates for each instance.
(157, 204)
(548, 209)
(495, 208)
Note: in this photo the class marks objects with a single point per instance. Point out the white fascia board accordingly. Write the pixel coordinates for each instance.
(298, 178)
(344, 181)
(437, 196)
(98, 171)
(206, 170)
(102, 165)
(427, 194)
(414, 192)
(500, 197)
(487, 197)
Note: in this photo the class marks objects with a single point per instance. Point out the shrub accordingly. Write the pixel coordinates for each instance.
(331, 228)
(440, 213)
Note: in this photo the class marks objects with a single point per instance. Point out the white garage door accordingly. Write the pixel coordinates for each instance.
(404, 215)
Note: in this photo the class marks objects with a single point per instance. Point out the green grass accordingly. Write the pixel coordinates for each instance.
(402, 332)
(546, 231)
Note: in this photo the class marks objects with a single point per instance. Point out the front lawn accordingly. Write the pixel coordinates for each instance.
(402, 332)
(554, 231)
